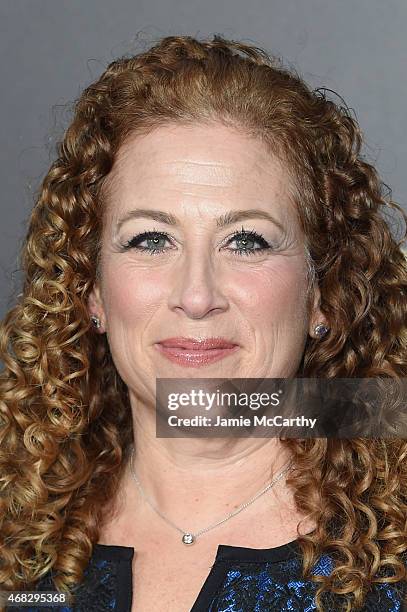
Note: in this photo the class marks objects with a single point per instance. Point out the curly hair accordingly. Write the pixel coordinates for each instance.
(62, 448)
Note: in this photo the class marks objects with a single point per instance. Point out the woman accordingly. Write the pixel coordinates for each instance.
(208, 216)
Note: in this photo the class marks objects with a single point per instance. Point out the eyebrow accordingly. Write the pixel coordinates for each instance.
(221, 221)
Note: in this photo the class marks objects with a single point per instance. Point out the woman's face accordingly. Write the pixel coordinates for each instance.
(195, 189)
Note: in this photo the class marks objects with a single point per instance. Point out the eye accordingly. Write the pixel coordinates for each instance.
(155, 242)
(246, 239)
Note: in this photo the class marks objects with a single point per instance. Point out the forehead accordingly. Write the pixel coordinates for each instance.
(199, 163)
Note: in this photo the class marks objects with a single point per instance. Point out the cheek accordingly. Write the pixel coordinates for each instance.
(276, 291)
(129, 295)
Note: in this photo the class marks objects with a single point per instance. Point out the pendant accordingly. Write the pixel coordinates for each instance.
(188, 538)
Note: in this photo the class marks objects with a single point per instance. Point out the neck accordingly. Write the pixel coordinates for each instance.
(204, 478)
(196, 482)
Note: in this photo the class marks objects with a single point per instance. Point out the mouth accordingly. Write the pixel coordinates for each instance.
(191, 352)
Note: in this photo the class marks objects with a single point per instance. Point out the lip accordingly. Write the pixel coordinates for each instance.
(191, 352)
(200, 344)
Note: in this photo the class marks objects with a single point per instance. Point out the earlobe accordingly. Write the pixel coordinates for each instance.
(318, 323)
(95, 308)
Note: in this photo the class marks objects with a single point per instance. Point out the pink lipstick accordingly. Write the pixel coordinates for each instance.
(191, 352)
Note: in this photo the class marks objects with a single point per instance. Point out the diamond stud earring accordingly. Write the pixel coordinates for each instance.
(96, 321)
(320, 330)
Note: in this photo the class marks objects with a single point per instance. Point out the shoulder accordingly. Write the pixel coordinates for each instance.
(105, 582)
(279, 585)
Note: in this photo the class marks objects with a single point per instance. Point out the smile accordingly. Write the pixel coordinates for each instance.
(195, 353)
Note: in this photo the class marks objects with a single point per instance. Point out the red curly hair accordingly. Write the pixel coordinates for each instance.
(63, 451)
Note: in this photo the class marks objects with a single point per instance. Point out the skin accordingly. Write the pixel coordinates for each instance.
(200, 287)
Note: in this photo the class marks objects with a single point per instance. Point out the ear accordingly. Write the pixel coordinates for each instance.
(95, 307)
(316, 314)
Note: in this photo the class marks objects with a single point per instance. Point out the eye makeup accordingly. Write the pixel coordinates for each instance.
(156, 240)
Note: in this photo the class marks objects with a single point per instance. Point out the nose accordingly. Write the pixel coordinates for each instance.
(196, 287)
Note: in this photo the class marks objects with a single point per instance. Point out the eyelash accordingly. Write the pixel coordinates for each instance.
(133, 243)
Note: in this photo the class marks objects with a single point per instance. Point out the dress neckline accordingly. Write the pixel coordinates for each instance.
(225, 552)
(226, 556)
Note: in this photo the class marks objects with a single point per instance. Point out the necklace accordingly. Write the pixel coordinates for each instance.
(188, 537)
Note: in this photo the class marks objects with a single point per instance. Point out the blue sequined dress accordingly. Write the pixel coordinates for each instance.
(240, 580)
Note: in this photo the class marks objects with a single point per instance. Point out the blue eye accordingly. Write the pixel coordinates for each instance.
(246, 239)
(154, 240)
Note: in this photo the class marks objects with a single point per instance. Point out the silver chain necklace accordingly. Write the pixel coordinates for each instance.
(188, 537)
